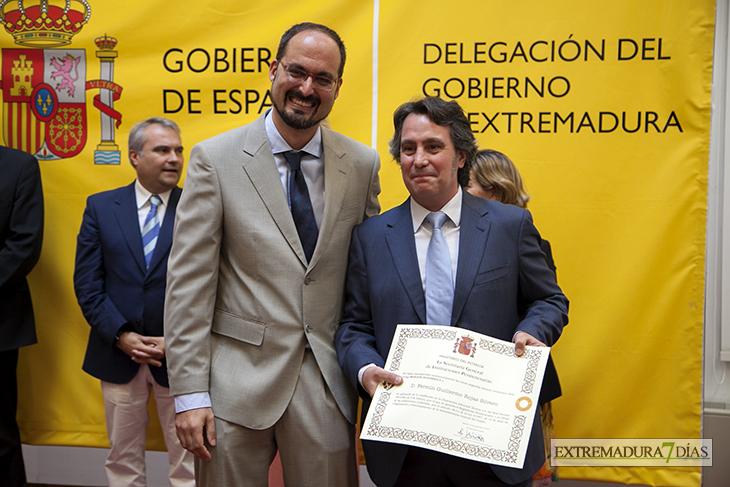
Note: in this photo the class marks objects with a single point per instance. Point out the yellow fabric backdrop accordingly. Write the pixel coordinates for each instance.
(625, 212)
(624, 209)
(60, 404)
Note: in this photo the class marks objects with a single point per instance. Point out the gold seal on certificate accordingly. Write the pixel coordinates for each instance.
(463, 394)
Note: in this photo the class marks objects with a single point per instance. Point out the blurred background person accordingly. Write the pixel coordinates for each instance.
(21, 236)
(495, 177)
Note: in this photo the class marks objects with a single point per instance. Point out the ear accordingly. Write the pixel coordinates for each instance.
(134, 157)
(460, 158)
(272, 70)
(337, 88)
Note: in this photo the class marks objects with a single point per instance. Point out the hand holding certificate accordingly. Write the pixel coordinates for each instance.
(463, 393)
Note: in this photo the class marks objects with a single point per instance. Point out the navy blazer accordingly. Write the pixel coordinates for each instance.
(21, 235)
(113, 286)
(503, 285)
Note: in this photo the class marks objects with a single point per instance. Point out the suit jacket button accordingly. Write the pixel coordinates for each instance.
(308, 329)
(307, 280)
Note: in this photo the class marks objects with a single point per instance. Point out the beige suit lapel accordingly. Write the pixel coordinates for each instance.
(260, 167)
(336, 170)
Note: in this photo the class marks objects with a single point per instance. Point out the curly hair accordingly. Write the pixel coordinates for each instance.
(444, 113)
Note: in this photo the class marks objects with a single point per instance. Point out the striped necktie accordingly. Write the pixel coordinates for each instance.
(439, 282)
(151, 229)
(301, 205)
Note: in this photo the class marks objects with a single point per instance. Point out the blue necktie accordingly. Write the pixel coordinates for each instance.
(439, 284)
(151, 229)
(301, 205)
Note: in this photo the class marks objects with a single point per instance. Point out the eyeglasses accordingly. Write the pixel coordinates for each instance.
(299, 76)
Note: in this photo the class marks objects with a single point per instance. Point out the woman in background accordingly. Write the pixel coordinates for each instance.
(495, 177)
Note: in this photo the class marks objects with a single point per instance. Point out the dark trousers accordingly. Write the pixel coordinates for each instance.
(12, 469)
(427, 468)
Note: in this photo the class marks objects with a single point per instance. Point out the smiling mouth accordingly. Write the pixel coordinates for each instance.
(305, 103)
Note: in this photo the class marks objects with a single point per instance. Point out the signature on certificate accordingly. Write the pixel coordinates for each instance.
(469, 435)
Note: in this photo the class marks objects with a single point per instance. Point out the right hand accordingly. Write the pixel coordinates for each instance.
(373, 375)
(142, 349)
(191, 425)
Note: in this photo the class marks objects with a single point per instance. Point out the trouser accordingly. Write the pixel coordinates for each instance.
(12, 469)
(316, 443)
(126, 423)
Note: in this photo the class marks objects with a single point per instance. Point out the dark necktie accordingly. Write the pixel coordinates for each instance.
(301, 205)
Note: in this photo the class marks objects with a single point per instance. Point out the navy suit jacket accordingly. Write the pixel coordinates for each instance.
(21, 235)
(503, 285)
(112, 284)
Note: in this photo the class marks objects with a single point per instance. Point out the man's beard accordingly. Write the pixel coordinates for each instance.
(296, 120)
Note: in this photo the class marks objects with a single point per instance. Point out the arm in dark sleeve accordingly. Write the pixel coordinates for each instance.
(545, 305)
(89, 279)
(547, 250)
(355, 338)
(20, 250)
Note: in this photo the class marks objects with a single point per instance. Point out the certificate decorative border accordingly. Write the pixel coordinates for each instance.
(431, 440)
(375, 427)
(533, 356)
(406, 333)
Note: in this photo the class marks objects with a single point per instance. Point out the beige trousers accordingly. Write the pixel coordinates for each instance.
(126, 423)
(315, 442)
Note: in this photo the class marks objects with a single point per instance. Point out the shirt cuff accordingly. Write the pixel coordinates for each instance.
(362, 371)
(195, 400)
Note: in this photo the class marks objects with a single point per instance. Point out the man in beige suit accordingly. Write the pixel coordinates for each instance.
(256, 282)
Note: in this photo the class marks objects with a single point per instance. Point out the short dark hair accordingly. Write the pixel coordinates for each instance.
(444, 113)
(138, 138)
(304, 26)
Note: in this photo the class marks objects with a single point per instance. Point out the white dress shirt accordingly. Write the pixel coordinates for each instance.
(143, 203)
(312, 165)
(422, 231)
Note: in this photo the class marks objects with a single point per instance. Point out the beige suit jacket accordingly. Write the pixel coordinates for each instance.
(241, 301)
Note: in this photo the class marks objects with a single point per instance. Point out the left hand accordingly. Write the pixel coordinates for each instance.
(152, 353)
(143, 349)
(523, 338)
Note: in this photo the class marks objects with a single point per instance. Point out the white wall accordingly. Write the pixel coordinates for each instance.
(717, 371)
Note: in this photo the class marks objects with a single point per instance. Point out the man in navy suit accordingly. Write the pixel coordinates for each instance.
(500, 282)
(120, 276)
(21, 235)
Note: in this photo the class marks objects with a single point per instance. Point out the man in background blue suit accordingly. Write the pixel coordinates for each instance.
(499, 285)
(120, 277)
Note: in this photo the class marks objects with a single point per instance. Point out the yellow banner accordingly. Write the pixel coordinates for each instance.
(204, 65)
(604, 108)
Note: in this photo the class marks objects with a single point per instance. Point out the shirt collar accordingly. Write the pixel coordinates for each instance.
(279, 145)
(143, 195)
(452, 210)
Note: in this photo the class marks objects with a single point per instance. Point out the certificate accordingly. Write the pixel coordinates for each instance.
(463, 394)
